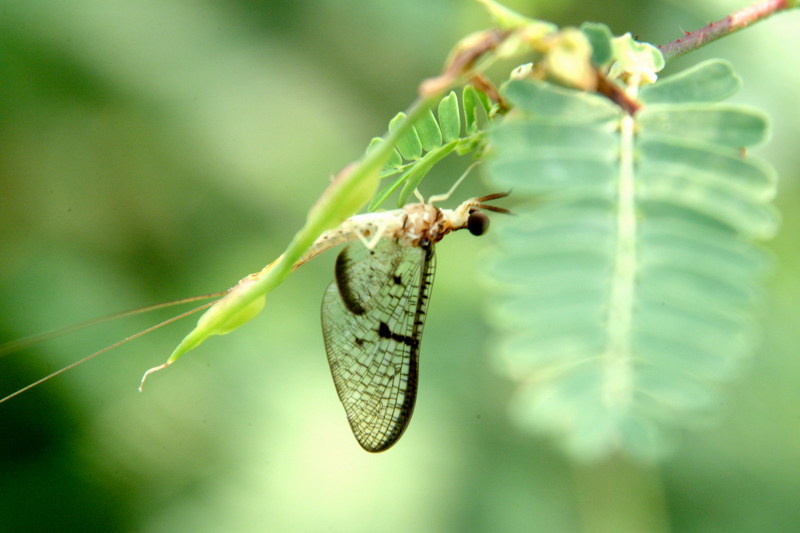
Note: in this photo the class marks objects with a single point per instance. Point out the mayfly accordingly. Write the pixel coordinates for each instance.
(373, 312)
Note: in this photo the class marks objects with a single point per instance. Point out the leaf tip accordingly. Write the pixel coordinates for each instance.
(152, 371)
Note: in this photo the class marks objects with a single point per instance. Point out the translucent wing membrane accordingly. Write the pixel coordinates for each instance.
(372, 318)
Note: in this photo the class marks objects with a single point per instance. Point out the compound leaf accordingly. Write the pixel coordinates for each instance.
(628, 285)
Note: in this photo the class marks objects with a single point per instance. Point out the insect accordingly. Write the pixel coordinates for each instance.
(373, 312)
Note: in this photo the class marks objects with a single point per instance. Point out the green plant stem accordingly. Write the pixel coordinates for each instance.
(431, 90)
(317, 222)
(349, 191)
(618, 496)
(371, 162)
(733, 22)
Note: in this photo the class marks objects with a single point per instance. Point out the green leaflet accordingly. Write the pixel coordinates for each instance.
(564, 105)
(395, 159)
(600, 38)
(710, 81)
(548, 157)
(408, 145)
(628, 290)
(449, 117)
(717, 184)
(430, 136)
(720, 124)
(431, 139)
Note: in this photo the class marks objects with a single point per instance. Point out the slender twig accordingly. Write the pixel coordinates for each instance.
(733, 22)
(616, 94)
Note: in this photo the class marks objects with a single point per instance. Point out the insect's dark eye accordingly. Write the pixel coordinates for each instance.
(477, 223)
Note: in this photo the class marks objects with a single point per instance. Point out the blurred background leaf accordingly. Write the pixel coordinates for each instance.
(152, 151)
(626, 290)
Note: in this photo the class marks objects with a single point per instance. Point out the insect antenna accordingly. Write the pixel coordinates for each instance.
(20, 344)
(479, 203)
(17, 345)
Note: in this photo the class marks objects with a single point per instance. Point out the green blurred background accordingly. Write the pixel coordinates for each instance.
(153, 150)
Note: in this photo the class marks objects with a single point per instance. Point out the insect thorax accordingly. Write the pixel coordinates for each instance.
(424, 224)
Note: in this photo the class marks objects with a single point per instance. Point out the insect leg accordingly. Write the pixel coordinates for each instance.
(445, 196)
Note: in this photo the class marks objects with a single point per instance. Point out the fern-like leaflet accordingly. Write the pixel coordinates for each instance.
(627, 293)
(432, 139)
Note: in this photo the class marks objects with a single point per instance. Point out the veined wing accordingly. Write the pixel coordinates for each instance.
(372, 318)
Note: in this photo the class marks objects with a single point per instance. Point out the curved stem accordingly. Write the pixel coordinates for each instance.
(733, 22)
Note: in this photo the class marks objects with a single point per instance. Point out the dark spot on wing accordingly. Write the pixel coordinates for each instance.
(350, 298)
(385, 333)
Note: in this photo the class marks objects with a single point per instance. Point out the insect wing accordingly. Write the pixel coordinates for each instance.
(372, 318)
